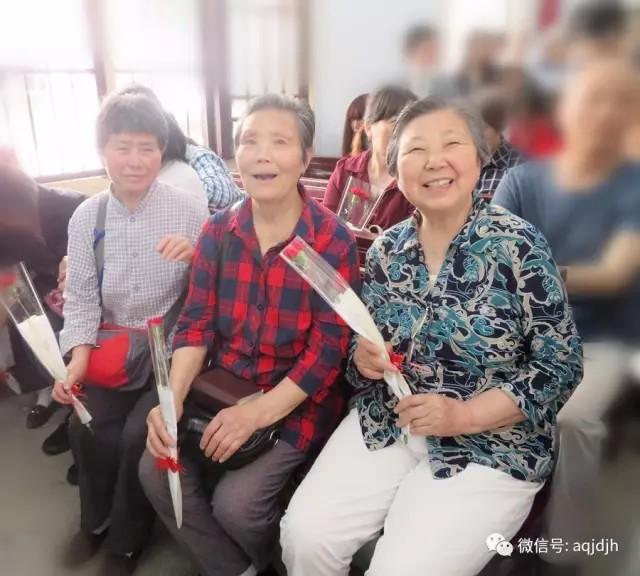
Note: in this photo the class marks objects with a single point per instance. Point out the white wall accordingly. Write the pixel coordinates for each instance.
(356, 45)
(462, 16)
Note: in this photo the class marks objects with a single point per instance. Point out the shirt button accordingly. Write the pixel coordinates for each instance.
(260, 307)
(134, 255)
(132, 219)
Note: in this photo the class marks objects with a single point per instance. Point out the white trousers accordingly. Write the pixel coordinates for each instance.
(431, 527)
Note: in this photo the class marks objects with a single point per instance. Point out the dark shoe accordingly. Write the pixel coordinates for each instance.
(58, 441)
(72, 475)
(39, 415)
(81, 548)
(116, 565)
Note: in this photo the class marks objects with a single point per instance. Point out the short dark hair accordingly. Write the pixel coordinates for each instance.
(428, 106)
(355, 111)
(386, 103)
(300, 108)
(418, 34)
(176, 148)
(597, 20)
(493, 106)
(131, 113)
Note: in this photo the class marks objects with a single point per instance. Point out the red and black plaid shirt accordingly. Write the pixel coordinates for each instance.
(267, 322)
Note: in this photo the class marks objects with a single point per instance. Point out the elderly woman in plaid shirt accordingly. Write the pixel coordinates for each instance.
(262, 322)
(150, 229)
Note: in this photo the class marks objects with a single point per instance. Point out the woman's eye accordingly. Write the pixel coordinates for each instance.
(452, 143)
(281, 141)
(248, 141)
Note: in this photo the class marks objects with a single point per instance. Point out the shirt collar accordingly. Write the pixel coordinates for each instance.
(120, 207)
(409, 238)
(241, 221)
(358, 164)
(502, 154)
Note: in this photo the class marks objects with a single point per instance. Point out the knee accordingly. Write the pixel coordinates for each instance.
(239, 512)
(304, 529)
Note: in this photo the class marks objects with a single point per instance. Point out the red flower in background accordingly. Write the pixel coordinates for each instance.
(360, 193)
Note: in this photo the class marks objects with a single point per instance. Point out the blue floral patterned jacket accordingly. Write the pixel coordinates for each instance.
(496, 317)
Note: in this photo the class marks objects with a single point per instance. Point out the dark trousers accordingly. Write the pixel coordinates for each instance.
(31, 375)
(107, 459)
(237, 526)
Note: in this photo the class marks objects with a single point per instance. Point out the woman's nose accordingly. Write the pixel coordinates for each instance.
(434, 161)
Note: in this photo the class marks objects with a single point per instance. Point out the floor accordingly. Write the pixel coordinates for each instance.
(39, 511)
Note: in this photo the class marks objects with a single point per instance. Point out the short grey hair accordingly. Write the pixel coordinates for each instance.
(428, 106)
(305, 117)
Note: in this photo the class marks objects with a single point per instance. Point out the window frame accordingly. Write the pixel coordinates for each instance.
(213, 32)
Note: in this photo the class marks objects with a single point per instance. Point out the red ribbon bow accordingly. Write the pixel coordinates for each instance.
(396, 359)
(169, 464)
(77, 391)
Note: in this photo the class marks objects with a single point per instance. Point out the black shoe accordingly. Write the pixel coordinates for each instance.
(72, 475)
(116, 565)
(39, 415)
(81, 548)
(58, 441)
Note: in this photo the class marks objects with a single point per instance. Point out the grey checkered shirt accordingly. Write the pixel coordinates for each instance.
(137, 282)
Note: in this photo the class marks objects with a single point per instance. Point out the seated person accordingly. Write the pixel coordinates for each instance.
(150, 229)
(41, 253)
(493, 109)
(470, 296)
(263, 323)
(532, 129)
(353, 136)
(369, 167)
(586, 201)
(176, 170)
(219, 187)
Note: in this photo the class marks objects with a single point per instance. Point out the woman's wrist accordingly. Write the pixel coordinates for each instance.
(467, 418)
(81, 353)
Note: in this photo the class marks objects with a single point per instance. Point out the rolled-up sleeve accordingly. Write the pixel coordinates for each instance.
(196, 325)
(319, 365)
(82, 310)
(552, 365)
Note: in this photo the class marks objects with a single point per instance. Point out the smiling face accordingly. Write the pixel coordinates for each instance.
(132, 161)
(269, 155)
(438, 164)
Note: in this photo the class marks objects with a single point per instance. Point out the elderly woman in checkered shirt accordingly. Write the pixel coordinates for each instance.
(150, 229)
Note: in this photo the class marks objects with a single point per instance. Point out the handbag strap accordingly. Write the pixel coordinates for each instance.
(171, 317)
(98, 239)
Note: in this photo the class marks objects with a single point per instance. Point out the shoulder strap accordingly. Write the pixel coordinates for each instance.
(98, 239)
(171, 317)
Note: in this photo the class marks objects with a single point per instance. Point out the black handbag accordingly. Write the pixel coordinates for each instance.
(211, 392)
